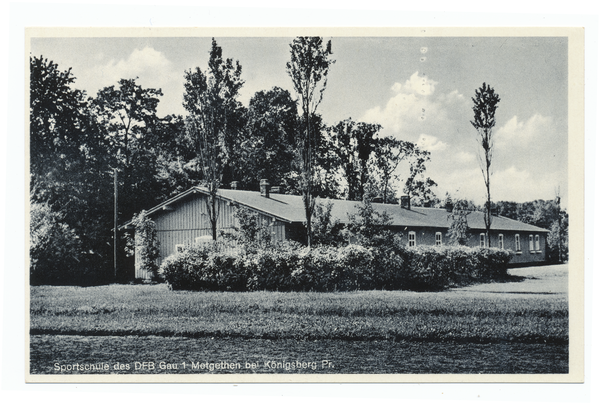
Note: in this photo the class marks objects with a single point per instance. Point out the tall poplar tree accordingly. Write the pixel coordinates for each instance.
(484, 109)
(308, 68)
(211, 100)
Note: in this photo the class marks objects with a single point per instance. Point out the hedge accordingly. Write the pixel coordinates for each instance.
(292, 267)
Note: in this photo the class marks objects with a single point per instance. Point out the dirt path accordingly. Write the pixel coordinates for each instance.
(537, 280)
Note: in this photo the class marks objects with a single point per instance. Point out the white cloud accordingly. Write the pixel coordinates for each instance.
(437, 121)
(417, 84)
(517, 133)
(151, 67)
(431, 143)
(415, 108)
(464, 157)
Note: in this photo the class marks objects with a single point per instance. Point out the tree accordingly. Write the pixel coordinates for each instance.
(127, 115)
(69, 165)
(251, 231)
(458, 231)
(369, 227)
(211, 100)
(146, 244)
(326, 231)
(352, 144)
(55, 249)
(308, 69)
(127, 111)
(388, 154)
(558, 239)
(546, 214)
(268, 148)
(417, 186)
(57, 119)
(484, 109)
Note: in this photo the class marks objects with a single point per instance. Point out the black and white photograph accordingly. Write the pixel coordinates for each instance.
(304, 205)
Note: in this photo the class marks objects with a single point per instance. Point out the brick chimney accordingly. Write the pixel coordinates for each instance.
(265, 188)
(234, 185)
(405, 202)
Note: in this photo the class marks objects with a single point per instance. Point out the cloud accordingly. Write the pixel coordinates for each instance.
(431, 143)
(529, 158)
(513, 184)
(416, 85)
(415, 109)
(517, 133)
(146, 63)
(465, 157)
(153, 70)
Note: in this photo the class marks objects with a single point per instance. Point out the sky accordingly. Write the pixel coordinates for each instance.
(418, 89)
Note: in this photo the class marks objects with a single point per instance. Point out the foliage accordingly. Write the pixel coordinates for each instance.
(203, 268)
(267, 151)
(251, 232)
(213, 121)
(546, 214)
(558, 240)
(308, 68)
(352, 144)
(147, 246)
(389, 153)
(326, 231)
(69, 164)
(286, 266)
(127, 113)
(458, 231)
(437, 268)
(368, 227)
(417, 186)
(54, 250)
(484, 109)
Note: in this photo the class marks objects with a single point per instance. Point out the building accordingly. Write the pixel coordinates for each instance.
(184, 219)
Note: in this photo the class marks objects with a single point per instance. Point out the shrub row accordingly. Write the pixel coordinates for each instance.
(292, 267)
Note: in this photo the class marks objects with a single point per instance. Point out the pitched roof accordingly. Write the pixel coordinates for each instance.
(290, 208)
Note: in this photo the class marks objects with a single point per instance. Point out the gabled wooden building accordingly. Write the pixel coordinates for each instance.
(184, 220)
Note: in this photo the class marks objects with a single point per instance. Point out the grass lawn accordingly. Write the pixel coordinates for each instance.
(519, 327)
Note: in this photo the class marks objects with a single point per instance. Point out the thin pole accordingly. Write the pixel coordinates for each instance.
(116, 218)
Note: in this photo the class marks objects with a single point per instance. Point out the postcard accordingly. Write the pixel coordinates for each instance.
(305, 205)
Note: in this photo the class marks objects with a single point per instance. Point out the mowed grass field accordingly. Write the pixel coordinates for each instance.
(513, 327)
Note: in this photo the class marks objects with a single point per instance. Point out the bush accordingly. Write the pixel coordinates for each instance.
(440, 267)
(55, 249)
(204, 268)
(273, 269)
(289, 266)
(145, 244)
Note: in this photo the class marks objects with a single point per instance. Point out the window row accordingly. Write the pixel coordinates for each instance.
(412, 238)
(534, 241)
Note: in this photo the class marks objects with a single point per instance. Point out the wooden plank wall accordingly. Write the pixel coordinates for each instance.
(189, 219)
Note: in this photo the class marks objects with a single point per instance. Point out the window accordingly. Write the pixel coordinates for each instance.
(531, 243)
(482, 240)
(537, 243)
(412, 239)
(438, 239)
(501, 241)
(179, 248)
(517, 243)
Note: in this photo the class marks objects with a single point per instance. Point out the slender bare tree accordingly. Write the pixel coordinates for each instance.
(484, 109)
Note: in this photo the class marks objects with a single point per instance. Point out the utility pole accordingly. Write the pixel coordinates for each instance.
(116, 223)
(559, 227)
